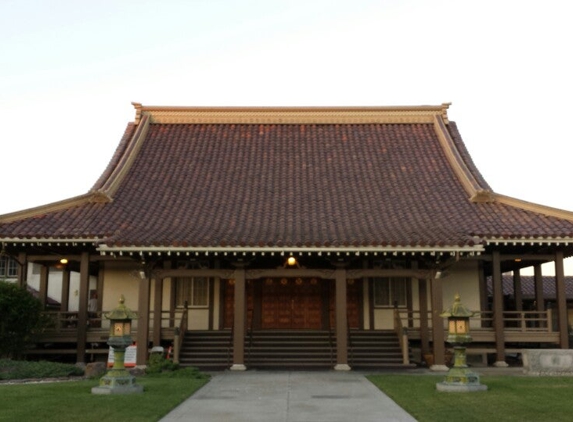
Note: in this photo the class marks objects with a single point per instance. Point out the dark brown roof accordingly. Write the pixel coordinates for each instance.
(528, 286)
(407, 183)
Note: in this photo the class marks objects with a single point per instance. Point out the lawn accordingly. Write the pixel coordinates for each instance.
(509, 398)
(74, 401)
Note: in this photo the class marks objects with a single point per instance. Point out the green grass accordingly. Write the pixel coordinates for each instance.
(74, 401)
(509, 398)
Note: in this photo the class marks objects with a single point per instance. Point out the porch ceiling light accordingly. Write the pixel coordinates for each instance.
(64, 261)
(291, 261)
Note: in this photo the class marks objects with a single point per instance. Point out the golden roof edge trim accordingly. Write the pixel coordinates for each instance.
(533, 207)
(114, 180)
(291, 115)
(475, 191)
(91, 197)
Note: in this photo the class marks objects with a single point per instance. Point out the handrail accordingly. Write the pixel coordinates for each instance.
(179, 335)
(513, 321)
(402, 334)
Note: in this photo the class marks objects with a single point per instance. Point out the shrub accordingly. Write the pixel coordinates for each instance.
(158, 363)
(13, 369)
(20, 319)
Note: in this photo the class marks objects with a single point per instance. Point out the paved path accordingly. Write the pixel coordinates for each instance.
(273, 396)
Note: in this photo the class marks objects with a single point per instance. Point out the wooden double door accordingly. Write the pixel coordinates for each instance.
(292, 304)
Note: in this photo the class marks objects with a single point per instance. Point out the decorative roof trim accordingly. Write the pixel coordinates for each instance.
(476, 192)
(291, 115)
(66, 241)
(286, 250)
(126, 161)
(92, 197)
(529, 241)
(537, 208)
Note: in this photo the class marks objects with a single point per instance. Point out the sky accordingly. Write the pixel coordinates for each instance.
(69, 70)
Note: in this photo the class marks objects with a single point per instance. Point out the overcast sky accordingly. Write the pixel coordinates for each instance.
(70, 69)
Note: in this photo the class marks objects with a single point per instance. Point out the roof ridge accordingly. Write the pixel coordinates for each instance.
(291, 115)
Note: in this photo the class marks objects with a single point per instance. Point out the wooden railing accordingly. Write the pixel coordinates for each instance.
(179, 335)
(402, 334)
(513, 321)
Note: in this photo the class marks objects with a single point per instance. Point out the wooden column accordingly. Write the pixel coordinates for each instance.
(157, 307)
(498, 310)
(438, 326)
(43, 288)
(143, 320)
(561, 301)
(517, 293)
(424, 328)
(538, 282)
(341, 321)
(239, 321)
(22, 269)
(83, 307)
(65, 297)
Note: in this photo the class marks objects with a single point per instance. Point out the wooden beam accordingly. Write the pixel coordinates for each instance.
(22, 269)
(143, 321)
(438, 324)
(561, 300)
(498, 311)
(423, 305)
(517, 293)
(43, 288)
(538, 282)
(157, 305)
(341, 321)
(65, 297)
(239, 321)
(83, 307)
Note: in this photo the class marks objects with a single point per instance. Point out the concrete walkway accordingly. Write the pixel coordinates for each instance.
(273, 396)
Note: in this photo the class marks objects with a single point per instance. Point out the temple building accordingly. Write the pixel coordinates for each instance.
(294, 236)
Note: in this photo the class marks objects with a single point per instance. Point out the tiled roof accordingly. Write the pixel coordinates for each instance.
(305, 185)
(528, 286)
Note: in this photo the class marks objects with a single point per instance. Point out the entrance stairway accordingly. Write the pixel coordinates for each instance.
(284, 349)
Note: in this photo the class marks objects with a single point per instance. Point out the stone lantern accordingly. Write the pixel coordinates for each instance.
(118, 380)
(459, 378)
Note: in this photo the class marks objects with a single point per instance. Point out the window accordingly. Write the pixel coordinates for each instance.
(193, 290)
(389, 291)
(8, 267)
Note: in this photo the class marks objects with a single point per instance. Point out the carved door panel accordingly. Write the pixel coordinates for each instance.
(289, 303)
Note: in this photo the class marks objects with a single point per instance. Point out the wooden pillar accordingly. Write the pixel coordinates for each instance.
(517, 293)
(538, 282)
(65, 297)
(22, 269)
(561, 301)
(341, 321)
(43, 289)
(143, 320)
(498, 310)
(424, 328)
(438, 326)
(83, 307)
(157, 307)
(239, 321)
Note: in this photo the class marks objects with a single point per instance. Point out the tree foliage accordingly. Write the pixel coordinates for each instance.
(20, 319)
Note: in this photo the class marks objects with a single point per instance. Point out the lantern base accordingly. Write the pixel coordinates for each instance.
(117, 381)
(461, 380)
